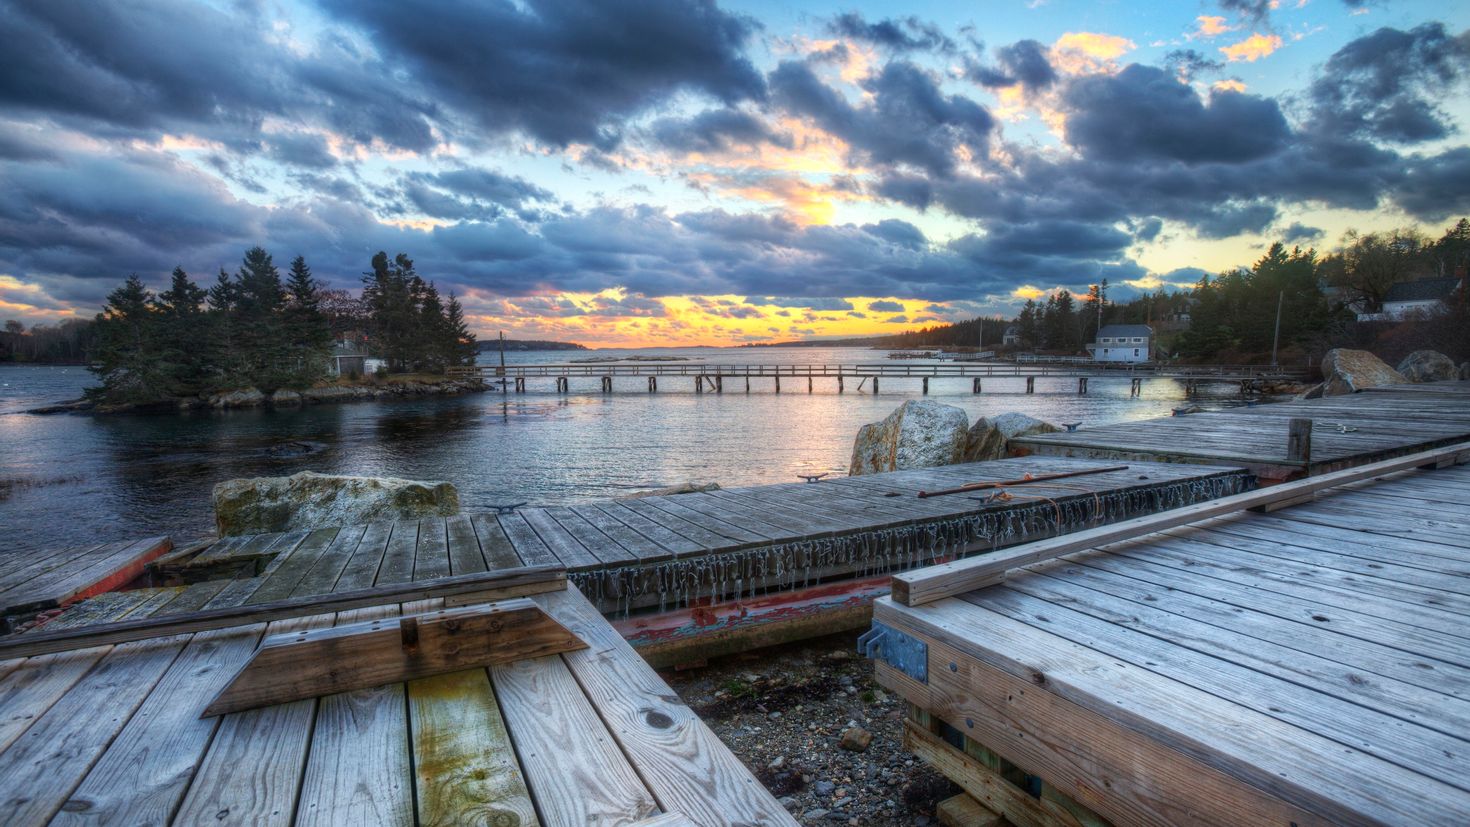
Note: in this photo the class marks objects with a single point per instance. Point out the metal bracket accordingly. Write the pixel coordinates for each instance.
(903, 652)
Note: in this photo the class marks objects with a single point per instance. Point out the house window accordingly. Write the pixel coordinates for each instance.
(1137, 340)
(1135, 351)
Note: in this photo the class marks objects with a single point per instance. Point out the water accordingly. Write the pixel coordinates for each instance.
(77, 478)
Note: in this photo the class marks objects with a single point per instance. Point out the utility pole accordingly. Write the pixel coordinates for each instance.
(1276, 336)
(502, 362)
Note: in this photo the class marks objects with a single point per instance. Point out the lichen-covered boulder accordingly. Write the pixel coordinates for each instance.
(683, 488)
(244, 398)
(310, 500)
(285, 397)
(1428, 366)
(918, 434)
(1349, 371)
(990, 437)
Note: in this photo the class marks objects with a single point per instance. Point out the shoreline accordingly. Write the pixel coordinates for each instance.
(391, 388)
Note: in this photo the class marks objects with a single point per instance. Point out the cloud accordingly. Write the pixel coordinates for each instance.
(906, 34)
(1256, 11)
(716, 131)
(1387, 85)
(1144, 113)
(907, 119)
(1086, 52)
(885, 307)
(1251, 49)
(1211, 26)
(1299, 232)
(806, 303)
(1025, 63)
(563, 71)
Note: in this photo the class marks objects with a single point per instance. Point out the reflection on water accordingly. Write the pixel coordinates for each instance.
(125, 476)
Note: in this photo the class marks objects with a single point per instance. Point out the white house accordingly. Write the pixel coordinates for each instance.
(350, 358)
(1407, 299)
(1122, 343)
(1012, 336)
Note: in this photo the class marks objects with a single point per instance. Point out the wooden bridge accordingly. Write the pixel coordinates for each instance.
(711, 377)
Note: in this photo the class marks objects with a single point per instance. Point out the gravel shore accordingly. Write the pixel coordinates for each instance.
(784, 711)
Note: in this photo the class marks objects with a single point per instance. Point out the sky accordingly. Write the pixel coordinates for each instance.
(644, 173)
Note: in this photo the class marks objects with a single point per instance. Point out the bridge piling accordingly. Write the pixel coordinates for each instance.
(875, 386)
(1082, 386)
(778, 384)
(607, 384)
(561, 384)
(926, 386)
(652, 384)
(719, 383)
(1031, 384)
(975, 385)
(520, 384)
(1135, 387)
(839, 384)
(808, 383)
(747, 384)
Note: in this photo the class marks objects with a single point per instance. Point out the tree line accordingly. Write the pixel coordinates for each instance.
(257, 329)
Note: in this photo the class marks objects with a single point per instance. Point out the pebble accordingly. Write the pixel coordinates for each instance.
(824, 787)
(814, 814)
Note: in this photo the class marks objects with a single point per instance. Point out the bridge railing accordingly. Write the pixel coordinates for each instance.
(864, 370)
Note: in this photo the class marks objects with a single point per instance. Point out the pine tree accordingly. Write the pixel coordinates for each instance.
(184, 352)
(307, 329)
(432, 331)
(462, 348)
(128, 345)
(265, 358)
(389, 293)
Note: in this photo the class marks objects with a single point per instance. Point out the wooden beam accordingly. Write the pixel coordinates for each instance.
(528, 580)
(1299, 440)
(309, 664)
(985, 784)
(964, 811)
(915, 588)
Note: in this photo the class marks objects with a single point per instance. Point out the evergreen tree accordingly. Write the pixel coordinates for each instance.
(392, 311)
(128, 346)
(461, 348)
(1029, 322)
(260, 337)
(433, 330)
(185, 352)
(308, 331)
(223, 353)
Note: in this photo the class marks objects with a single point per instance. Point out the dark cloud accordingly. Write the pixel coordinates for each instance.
(1387, 85)
(717, 130)
(898, 232)
(1256, 11)
(1187, 64)
(564, 71)
(907, 121)
(1299, 232)
(828, 304)
(885, 307)
(301, 150)
(1438, 187)
(1144, 113)
(907, 34)
(1024, 62)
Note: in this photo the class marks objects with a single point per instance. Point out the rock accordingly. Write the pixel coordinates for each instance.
(309, 500)
(244, 398)
(70, 406)
(856, 739)
(284, 397)
(1349, 371)
(1314, 392)
(330, 393)
(918, 434)
(989, 438)
(1428, 366)
(824, 787)
(1465, 370)
(685, 488)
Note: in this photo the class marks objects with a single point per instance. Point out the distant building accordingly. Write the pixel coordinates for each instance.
(1123, 343)
(1407, 299)
(350, 358)
(1012, 336)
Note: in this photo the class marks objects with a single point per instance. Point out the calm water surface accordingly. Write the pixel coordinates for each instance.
(77, 478)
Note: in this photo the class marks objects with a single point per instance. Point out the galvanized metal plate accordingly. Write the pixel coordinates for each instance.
(900, 650)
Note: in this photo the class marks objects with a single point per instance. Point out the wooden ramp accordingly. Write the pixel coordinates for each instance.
(113, 734)
(42, 580)
(1306, 666)
(1346, 430)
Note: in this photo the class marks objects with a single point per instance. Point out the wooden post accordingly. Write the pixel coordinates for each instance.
(561, 384)
(652, 384)
(699, 384)
(607, 384)
(520, 384)
(808, 383)
(778, 384)
(839, 384)
(719, 384)
(1299, 440)
(747, 384)
(926, 386)
(875, 385)
(1031, 384)
(975, 385)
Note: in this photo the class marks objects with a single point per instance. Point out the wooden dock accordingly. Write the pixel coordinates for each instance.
(1345, 430)
(113, 734)
(50, 579)
(686, 549)
(1305, 666)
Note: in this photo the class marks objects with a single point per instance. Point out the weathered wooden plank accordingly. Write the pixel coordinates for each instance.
(143, 775)
(432, 559)
(354, 656)
(496, 547)
(359, 768)
(528, 545)
(1247, 767)
(464, 547)
(964, 811)
(576, 773)
(322, 577)
(608, 551)
(94, 573)
(918, 587)
(361, 570)
(127, 630)
(465, 762)
(29, 689)
(286, 572)
(251, 773)
(398, 558)
(572, 553)
(986, 785)
(46, 762)
(661, 533)
(639, 549)
(684, 764)
(688, 525)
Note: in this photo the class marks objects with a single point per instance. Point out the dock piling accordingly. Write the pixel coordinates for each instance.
(1031, 384)
(561, 385)
(778, 384)
(1082, 386)
(926, 386)
(1135, 387)
(719, 384)
(1299, 440)
(652, 384)
(975, 385)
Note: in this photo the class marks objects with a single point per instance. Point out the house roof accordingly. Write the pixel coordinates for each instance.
(1422, 290)
(1125, 330)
